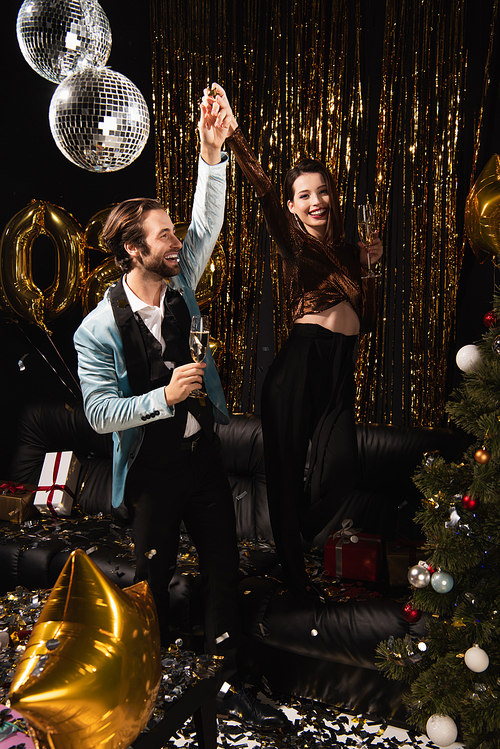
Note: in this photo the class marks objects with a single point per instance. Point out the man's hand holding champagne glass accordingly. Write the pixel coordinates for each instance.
(198, 344)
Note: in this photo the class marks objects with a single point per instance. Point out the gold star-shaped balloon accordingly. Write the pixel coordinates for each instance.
(91, 670)
(482, 212)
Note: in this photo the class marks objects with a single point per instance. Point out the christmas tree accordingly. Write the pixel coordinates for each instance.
(454, 672)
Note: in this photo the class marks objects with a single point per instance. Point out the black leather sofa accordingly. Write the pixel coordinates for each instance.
(299, 646)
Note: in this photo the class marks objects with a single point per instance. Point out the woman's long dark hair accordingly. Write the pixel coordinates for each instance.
(335, 224)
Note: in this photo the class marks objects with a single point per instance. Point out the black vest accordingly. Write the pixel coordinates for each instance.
(147, 371)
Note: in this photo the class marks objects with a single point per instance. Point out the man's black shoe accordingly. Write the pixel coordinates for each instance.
(243, 705)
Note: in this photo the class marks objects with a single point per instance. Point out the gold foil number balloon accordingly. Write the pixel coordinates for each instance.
(482, 212)
(97, 282)
(108, 272)
(18, 290)
(90, 674)
(92, 234)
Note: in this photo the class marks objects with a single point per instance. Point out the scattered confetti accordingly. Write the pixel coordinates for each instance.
(312, 725)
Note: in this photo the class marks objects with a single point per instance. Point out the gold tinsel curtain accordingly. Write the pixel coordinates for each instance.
(378, 91)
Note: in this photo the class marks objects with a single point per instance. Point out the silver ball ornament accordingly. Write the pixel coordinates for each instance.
(441, 729)
(59, 37)
(99, 120)
(419, 576)
(442, 582)
(476, 659)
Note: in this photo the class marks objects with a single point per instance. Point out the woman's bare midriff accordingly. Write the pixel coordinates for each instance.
(341, 318)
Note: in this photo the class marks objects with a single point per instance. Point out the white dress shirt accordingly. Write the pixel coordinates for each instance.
(152, 317)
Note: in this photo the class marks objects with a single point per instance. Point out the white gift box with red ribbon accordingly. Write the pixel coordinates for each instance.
(56, 488)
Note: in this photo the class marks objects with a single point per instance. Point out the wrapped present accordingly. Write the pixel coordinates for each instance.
(58, 479)
(400, 556)
(16, 501)
(353, 555)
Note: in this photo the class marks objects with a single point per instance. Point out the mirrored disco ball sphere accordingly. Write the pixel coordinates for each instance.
(99, 120)
(59, 37)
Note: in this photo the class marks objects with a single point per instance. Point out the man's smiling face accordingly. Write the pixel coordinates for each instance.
(163, 246)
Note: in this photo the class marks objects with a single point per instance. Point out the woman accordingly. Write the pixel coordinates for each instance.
(308, 394)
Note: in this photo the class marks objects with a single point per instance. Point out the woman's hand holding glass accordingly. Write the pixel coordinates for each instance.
(370, 245)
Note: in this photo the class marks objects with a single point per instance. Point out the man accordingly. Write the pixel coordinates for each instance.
(137, 374)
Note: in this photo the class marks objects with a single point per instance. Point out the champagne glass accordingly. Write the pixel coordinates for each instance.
(198, 344)
(367, 226)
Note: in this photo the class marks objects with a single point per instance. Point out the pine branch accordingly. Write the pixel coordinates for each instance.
(459, 516)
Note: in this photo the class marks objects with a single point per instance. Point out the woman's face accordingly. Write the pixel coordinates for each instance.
(311, 203)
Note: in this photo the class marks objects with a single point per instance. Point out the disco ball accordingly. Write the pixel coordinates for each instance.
(99, 120)
(60, 37)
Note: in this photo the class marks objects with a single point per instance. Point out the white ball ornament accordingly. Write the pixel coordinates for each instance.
(477, 659)
(419, 576)
(468, 358)
(442, 582)
(442, 730)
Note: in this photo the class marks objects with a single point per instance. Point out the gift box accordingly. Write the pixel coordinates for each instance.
(16, 501)
(357, 556)
(56, 488)
(400, 556)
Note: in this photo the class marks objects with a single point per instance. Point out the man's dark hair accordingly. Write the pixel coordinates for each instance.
(125, 225)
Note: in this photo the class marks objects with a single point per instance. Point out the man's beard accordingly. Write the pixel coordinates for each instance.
(157, 265)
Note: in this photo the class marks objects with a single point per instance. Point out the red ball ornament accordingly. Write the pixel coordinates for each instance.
(490, 320)
(482, 456)
(469, 502)
(410, 614)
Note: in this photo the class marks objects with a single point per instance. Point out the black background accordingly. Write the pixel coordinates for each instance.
(34, 168)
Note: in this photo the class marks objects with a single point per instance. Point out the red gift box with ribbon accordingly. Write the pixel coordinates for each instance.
(57, 484)
(16, 501)
(353, 555)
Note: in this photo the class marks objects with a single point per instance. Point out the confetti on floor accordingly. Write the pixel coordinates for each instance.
(312, 726)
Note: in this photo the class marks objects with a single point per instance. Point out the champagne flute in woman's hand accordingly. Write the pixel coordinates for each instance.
(367, 226)
(198, 343)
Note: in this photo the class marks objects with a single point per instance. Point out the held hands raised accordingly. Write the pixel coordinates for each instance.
(217, 121)
(185, 378)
